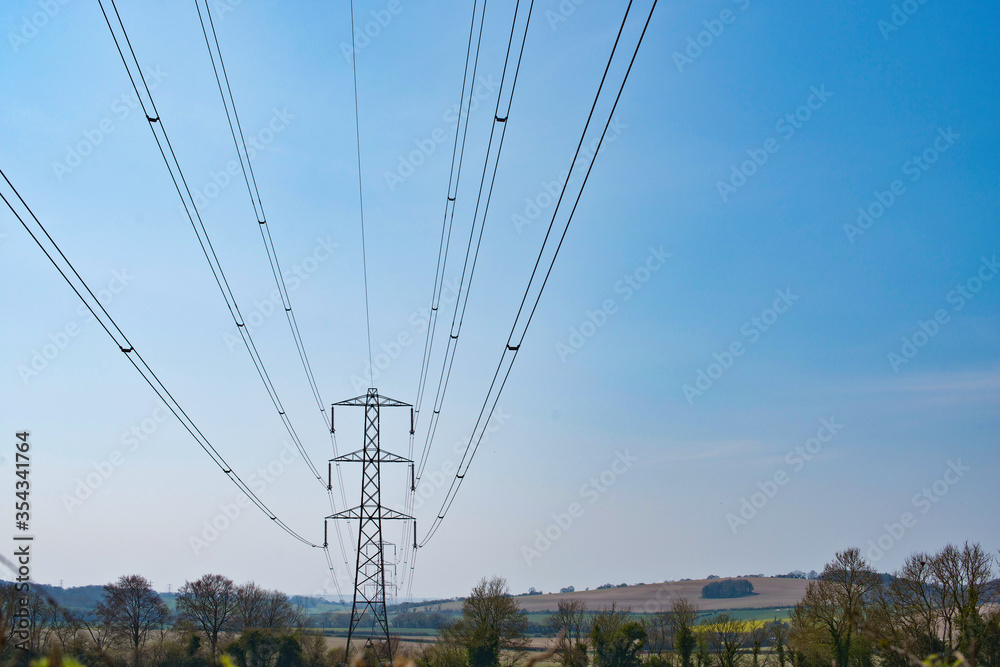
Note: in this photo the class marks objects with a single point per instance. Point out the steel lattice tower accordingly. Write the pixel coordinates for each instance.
(369, 576)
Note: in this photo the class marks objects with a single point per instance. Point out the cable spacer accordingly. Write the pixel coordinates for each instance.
(499, 119)
(513, 348)
(451, 199)
(152, 120)
(125, 350)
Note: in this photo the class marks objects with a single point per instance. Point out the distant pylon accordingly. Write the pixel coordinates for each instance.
(369, 575)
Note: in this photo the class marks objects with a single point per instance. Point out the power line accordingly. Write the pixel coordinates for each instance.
(468, 269)
(181, 186)
(203, 238)
(454, 178)
(361, 198)
(265, 235)
(108, 323)
(511, 348)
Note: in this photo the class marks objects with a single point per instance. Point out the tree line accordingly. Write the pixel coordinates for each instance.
(132, 625)
(937, 610)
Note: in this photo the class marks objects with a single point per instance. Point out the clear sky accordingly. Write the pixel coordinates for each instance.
(771, 333)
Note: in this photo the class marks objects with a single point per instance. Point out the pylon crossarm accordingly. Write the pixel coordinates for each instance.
(359, 457)
(383, 402)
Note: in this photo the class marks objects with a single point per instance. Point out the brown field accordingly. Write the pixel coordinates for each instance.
(768, 593)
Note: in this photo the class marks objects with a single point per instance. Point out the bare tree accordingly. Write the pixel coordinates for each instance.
(492, 628)
(208, 604)
(130, 609)
(965, 577)
(838, 601)
(26, 617)
(907, 612)
(727, 637)
(757, 635)
(278, 612)
(657, 633)
(570, 619)
(260, 609)
(249, 607)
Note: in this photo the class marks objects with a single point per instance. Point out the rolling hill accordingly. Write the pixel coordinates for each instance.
(769, 593)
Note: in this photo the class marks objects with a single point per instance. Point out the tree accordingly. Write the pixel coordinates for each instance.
(208, 604)
(907, 612)
(130, 609)
(261, 609)
(935, 604)
(681, 619)
(701, 655)
(807, 641)
(657, 633)
(965, 577)
(278, 612)
(617, 640)
(838, 601)
(492, 628)
(727, 636)
(248, 606)
(727, 588)
(757, 634)
(779, 638)
(570, 616)
(37, 617)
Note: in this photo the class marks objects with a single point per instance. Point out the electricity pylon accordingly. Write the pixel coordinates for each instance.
(369, 575)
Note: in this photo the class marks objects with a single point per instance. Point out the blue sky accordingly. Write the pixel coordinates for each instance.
(869, 99)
